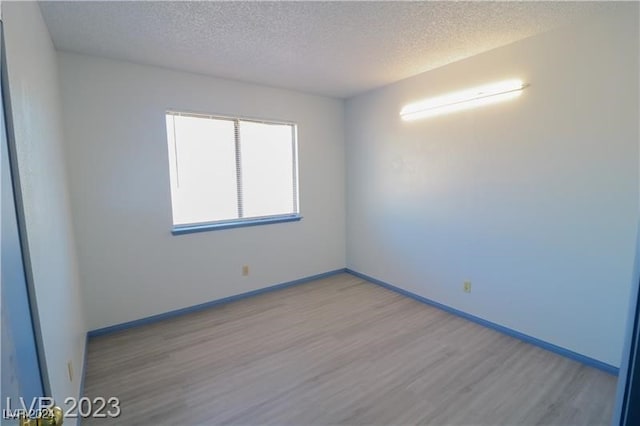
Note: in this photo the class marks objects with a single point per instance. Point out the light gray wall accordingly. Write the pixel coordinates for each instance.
(534, 201)
(35, 99)
(130, 264)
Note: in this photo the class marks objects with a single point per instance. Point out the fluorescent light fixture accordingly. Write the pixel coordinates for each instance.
(464, 99)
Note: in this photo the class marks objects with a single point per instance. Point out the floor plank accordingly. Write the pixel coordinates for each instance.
(337, 351)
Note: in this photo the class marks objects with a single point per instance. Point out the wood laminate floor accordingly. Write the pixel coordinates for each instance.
(338, 351)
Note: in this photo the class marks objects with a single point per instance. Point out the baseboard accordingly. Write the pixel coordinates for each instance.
(206, 305)
(505, 330)
(508, 331)
(83, 374)
(84, 364)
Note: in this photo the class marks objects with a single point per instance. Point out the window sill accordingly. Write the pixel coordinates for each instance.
(188, 229)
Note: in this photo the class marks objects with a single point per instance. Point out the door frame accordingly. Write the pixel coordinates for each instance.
(20, 216)
(627, 404)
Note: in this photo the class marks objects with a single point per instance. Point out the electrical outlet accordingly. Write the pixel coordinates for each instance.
(245, 270)
(70, 370)
(467, 287)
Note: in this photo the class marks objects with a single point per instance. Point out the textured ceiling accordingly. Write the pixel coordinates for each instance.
(332, 48)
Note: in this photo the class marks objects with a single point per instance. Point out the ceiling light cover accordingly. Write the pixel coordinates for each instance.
(464, 99)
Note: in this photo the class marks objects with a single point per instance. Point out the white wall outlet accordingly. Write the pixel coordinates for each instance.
(467, 287)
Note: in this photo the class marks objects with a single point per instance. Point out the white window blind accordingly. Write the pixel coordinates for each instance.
(230, 169)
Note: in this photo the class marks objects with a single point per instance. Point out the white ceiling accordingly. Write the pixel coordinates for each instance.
(332, 48)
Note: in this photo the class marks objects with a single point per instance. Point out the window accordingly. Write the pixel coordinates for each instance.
(228, 172)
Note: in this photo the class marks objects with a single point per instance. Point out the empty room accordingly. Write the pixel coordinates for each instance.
(320, 213)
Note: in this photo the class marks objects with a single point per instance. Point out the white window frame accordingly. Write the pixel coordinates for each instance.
(241, 221)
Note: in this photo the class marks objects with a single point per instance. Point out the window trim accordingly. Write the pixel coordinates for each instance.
(234, 223)
(241, 221)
